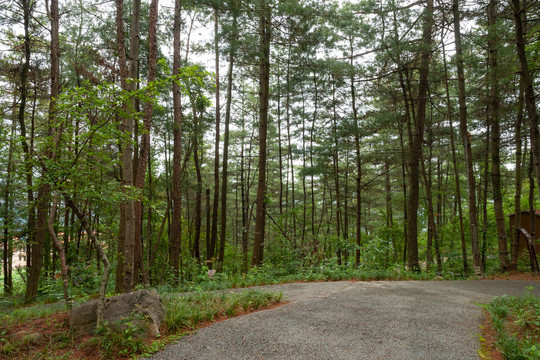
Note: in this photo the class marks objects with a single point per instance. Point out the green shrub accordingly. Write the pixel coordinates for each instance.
(516, 320)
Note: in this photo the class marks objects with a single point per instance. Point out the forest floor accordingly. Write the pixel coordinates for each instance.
(358, 320)
(513, 275)
(42, 331)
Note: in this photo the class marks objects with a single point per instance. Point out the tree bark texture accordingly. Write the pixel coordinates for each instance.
(215, 204)
(144, 147)
(224, 180)
(517, 179)
(125, 271)
(176, 221)
(456, 169)
(417, 139)
(526, 77)
(493, 114)
(264, 87)
(466, 138)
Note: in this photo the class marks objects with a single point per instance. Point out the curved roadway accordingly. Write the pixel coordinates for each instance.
(355, 320)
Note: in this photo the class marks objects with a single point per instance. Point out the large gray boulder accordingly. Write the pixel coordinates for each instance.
(142, 309)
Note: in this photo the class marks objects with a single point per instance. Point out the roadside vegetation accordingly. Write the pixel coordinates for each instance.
(515, 322)
(42, 331)
(375, 265)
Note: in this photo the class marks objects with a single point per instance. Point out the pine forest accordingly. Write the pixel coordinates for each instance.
(147, 143)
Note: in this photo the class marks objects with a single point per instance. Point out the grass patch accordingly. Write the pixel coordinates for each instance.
(516, 322)
(19, 314)
(188, 312)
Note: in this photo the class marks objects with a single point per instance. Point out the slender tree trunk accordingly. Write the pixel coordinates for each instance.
(358, 177)
(517, 179)
(416, 145)
(404, 186)
(176, 221)
(8, 217)
(198, 198)
(208, 224)
(493, 114)
(280, 148)
(155, 250)
(44, 189)
(482, 198)
(304, 189)
(532, 186)
(466, 138)
(323, 212)
(346, 204)
(439, 214)
(102, 256)
(526, 78)
(312, 182)
(335, 161)
(432, 228)
(215, 206)
(126, 257)
(264, 82)
(149, 223)
(28, 8)
(389, 211)
(224, 180)
(289, 146)
(60, 249)
(140, 171)
(455, 167)
(237, 213)
(245, 201)
(401, 141)
(410, 116)
(72, 227)
(66, 238)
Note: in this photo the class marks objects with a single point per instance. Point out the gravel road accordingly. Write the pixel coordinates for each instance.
(355, 320)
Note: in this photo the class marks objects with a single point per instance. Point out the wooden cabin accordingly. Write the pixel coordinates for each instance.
(526, 224)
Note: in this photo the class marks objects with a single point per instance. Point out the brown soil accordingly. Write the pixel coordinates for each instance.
(514, 275)
(46, 326)
(241, 312)
(18, 341)
(488, 350)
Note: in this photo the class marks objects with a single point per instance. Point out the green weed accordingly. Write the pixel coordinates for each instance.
(186, 312)
(9, 348)
(516, 320)
(122, 337)
(11, 316)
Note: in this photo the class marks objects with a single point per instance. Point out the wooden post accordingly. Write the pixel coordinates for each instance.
(532, 252)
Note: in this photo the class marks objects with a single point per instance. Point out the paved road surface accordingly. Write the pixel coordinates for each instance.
(355, 320)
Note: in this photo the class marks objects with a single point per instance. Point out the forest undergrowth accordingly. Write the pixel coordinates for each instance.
(41, 331)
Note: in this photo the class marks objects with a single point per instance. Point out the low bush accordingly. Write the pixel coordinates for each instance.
(516, 321)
